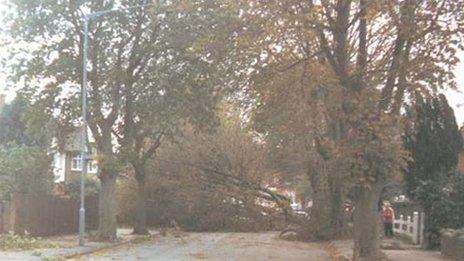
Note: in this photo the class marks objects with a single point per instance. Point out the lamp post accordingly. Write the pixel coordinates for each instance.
(83, 134)
(84, 158)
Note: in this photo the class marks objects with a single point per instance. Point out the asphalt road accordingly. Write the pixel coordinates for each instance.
(215, 246)
(211, 246)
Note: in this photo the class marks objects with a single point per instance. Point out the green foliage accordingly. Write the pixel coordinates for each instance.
(405, 208)
(26, 122)
(153, 63)
(25, 137)
(443, 203)
(152, 71)
(24, 169)
(11, 241)
(92, 187)
(434, 141)
(12, 127)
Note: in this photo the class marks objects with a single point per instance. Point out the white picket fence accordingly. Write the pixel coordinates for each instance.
(411, 227)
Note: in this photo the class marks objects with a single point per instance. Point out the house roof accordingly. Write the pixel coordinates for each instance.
(72, 141)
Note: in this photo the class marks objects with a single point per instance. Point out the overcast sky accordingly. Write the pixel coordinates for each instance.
(456, 98)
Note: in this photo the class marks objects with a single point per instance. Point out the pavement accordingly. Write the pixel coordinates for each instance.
(406, 253)
(50, 253)
(67, 246)
(414, 255)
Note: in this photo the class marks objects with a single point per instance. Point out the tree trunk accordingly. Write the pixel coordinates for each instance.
(337, 198)
(140, 225)
(326, 219)
(366, 224)
(320, 227)
(107, 224)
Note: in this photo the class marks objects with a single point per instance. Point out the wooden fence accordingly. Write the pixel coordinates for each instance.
(412, 227)
(45, 215)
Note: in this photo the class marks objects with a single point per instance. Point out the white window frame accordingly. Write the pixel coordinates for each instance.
(76, 162)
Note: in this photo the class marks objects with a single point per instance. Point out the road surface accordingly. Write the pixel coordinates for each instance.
(242, 246)
(215, 246)
(211, 246)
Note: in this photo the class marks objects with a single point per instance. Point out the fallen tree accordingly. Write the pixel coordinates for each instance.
(212, 181)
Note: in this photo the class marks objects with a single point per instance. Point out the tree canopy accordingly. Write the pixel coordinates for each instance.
(434, 141)
(150, 70)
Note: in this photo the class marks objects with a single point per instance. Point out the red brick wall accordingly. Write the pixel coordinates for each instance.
(461, 163)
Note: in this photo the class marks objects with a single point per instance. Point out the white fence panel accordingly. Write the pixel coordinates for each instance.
(411, 227)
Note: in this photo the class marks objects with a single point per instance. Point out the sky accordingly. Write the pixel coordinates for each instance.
(455, 97)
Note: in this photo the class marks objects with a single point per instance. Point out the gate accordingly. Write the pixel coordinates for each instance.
(412, 227)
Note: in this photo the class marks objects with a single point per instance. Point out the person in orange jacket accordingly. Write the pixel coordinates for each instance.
(388, 216)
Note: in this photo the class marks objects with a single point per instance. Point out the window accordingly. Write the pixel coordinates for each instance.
(76, 162)
(92, 166)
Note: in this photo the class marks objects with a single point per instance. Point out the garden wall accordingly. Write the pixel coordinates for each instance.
(46, 215)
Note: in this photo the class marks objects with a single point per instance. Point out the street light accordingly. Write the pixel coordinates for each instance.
(84, 158)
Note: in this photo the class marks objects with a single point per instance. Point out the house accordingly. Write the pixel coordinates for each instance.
(67, 158)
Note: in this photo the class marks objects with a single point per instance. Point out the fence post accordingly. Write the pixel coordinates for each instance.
(421, 231)
(408, 225)
(401, 223)
(415, 228)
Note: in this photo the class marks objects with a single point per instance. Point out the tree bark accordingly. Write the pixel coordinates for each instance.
(366, 223)
(326, 213)
(337, 199)
(140, 224)
(321, 219)
(107, 223)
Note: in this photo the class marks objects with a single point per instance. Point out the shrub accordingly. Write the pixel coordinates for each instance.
(24, 169)
(443, 202)
(92, 187)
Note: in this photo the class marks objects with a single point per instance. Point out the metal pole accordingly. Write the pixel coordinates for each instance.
(84, 114)
(84, 133)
